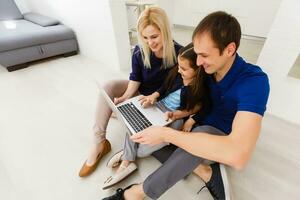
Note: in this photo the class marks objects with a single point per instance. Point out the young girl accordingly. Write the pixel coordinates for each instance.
(183, 94)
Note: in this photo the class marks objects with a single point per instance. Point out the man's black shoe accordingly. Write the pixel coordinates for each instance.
(119, 195)
(218, 184)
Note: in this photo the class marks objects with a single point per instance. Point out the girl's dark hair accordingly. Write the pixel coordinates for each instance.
(197, 89)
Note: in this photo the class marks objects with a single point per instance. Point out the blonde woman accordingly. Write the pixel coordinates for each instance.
(152, 59)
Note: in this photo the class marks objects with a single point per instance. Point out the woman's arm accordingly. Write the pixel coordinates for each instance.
(131, 90)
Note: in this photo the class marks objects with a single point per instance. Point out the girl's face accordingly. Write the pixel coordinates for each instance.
(153, 38)
(184, 68)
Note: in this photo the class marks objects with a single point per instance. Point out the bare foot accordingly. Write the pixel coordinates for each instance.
(204, 172)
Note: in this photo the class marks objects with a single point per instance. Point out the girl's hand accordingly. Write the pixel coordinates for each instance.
(147, 101)
(187, 126)
(173, 115)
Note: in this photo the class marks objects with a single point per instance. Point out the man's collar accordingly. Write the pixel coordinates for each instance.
(233, 72)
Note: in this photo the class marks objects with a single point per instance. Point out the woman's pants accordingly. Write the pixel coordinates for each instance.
(113, 88)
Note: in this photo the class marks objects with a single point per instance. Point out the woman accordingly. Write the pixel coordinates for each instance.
(151, 62)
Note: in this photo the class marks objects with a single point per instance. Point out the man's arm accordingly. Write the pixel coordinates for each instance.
(234, 150)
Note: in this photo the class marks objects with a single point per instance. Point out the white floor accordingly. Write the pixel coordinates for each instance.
(46, 115)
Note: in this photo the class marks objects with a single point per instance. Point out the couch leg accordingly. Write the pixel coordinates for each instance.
(70, 54)
(17, 67)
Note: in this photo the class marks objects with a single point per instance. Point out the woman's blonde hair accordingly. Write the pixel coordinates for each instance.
(156, 17)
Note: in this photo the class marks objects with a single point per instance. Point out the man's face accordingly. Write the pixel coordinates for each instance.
(208, 54)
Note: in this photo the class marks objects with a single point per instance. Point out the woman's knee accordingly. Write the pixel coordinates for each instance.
(109, 86)
(115, 88)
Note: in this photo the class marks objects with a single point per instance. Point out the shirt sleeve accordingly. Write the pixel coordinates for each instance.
(198, 117)
(161, 91)
(136, 65)
(253, 94)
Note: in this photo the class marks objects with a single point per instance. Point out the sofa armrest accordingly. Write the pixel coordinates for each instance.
(40, 19)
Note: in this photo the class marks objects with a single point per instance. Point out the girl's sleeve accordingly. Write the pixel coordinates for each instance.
(197, 117)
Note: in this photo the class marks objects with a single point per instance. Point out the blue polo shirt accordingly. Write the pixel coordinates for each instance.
(150, 79)
(245, 87)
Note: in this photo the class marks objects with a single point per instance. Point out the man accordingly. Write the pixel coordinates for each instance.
(228, 134)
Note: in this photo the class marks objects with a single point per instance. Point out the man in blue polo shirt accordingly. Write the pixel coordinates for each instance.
(228, 134)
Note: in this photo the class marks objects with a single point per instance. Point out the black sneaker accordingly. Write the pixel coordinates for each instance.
(218, 185)
(119, 195)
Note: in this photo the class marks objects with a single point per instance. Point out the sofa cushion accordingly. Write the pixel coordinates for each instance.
(40, 19)
(27, 34)
(9, 10)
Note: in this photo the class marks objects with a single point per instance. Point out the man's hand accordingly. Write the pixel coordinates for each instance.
(151, 136)
(187, 126)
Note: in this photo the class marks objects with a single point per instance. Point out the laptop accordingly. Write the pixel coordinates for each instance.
(134, 116)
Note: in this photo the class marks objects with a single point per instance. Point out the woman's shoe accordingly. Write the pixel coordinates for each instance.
(119, 195)
(86, 169)
(126, 171)
(115, 160)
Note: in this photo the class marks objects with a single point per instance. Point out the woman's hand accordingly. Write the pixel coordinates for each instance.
(149, 100)
(151, 136)
(131, 91)
(118, 100)
(188, 125)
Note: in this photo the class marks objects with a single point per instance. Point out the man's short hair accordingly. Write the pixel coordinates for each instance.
(222, 27)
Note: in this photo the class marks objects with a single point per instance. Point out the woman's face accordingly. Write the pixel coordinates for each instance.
(184, 68)
(153, 38)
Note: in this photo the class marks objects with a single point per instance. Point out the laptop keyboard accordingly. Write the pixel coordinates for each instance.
(134, 117)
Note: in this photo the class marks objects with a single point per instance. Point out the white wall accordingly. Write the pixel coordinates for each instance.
(22, 5)
(277, 57)
(93, 24)
(255, 16)
(167, 5)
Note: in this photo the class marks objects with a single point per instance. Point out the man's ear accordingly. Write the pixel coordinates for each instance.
(230, 49)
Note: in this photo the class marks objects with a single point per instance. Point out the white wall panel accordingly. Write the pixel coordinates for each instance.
(278, 56)
(255, 16)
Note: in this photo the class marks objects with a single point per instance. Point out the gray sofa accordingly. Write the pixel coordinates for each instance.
(30, 37)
